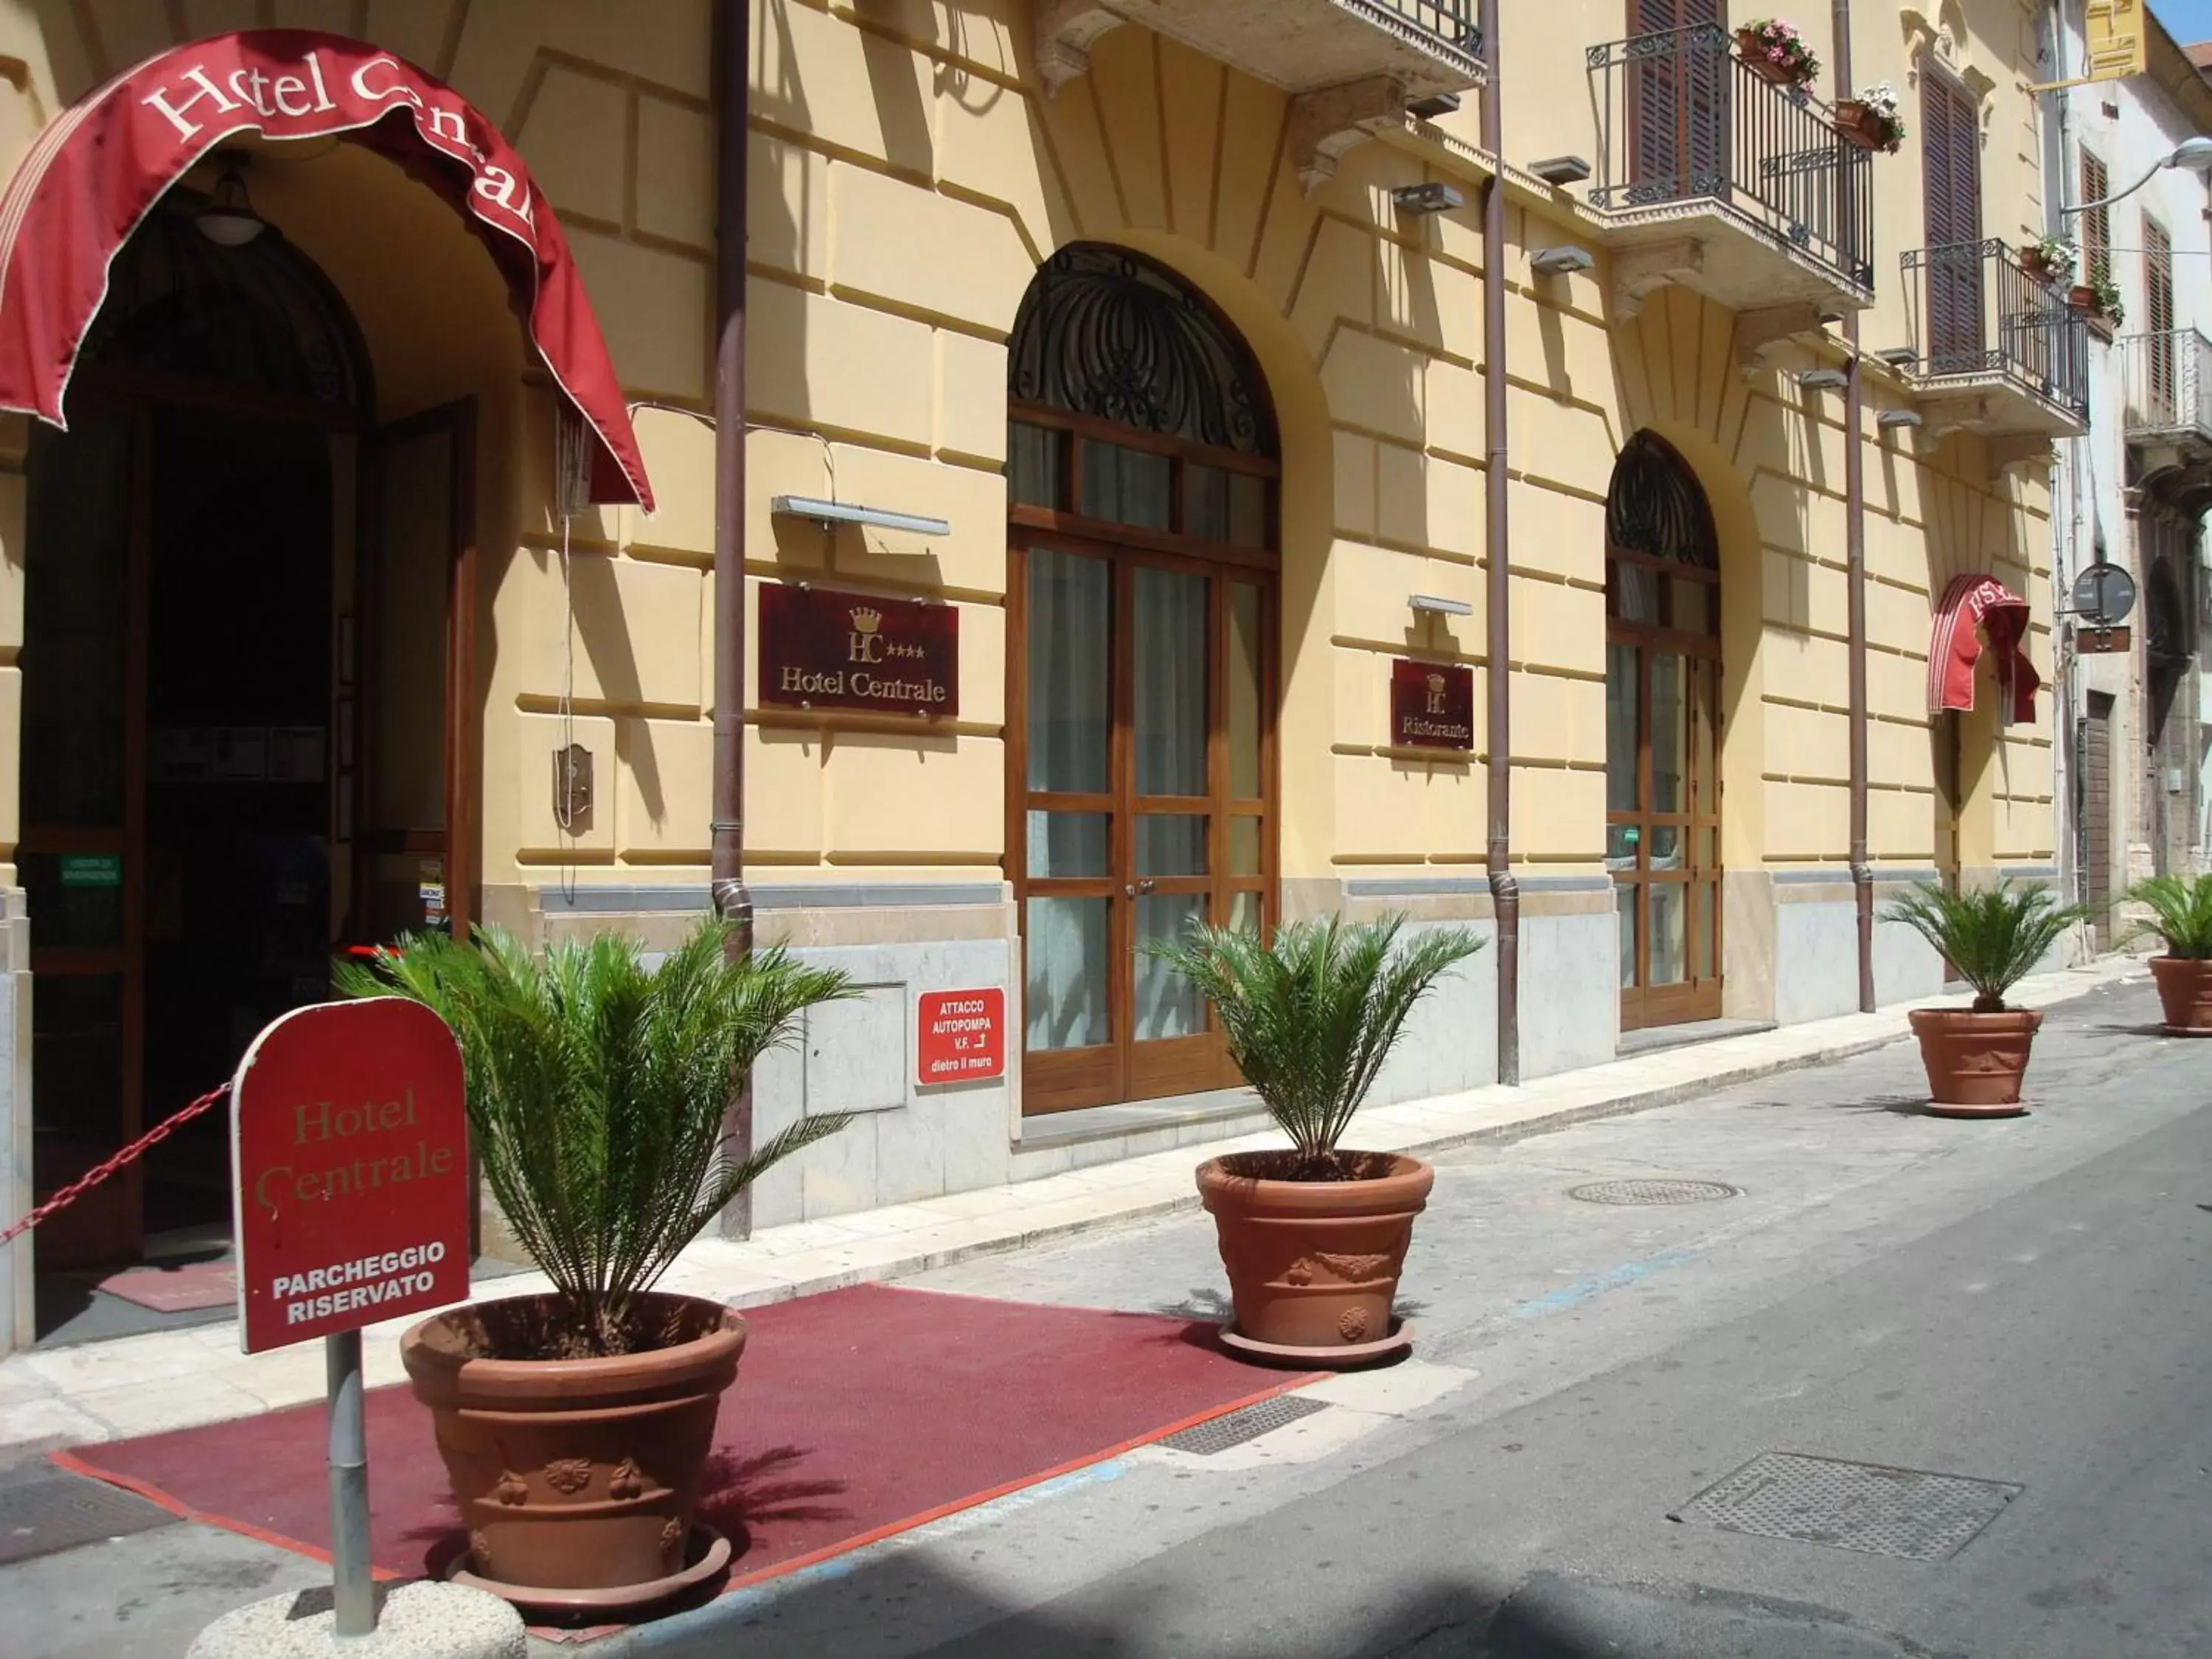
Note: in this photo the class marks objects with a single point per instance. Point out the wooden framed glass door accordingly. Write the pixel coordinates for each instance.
(1663, 693)
(1144, 808)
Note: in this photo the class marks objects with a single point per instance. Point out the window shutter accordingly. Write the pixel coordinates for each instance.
(2158, 278)
(2096, 222)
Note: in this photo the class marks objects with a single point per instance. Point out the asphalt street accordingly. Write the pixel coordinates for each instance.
(1881, 1296)
(2020, 1304)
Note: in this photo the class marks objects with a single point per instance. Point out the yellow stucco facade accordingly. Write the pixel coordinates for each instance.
(910, 170)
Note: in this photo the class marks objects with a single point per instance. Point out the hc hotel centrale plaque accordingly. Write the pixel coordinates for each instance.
(822, 649)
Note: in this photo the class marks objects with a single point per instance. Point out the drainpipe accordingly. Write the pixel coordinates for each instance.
(1504, 891)
(1855, 550)
(732, 899)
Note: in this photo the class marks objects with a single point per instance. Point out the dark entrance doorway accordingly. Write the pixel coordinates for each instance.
(208, 579)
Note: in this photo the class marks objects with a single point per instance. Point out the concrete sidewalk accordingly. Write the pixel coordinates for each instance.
(146, 1384)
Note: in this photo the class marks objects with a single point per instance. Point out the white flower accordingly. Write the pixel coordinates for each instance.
(1881, 99)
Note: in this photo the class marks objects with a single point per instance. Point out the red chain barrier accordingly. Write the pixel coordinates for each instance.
(84, 1184)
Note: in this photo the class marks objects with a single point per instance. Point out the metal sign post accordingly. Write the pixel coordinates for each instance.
(353, 1591)
(349, 1171)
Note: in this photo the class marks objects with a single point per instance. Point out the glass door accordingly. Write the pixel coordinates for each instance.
(1144, 812)
(1663, 805)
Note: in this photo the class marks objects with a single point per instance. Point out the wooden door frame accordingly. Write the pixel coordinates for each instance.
(455, 842)
(1644, 1005)
(1114, 1072)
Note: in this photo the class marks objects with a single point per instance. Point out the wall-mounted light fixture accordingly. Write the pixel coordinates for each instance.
(1435, 197)
(1441, 103)
(1430, 602)
(830, 514)
(1824, 380)
(1897, 356)
(1896, 417)
(1561, 169)
(1561, 261)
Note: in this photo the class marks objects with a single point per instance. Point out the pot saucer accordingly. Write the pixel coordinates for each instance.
(1934, 1110)
(1340, 1357)
(707, 1555)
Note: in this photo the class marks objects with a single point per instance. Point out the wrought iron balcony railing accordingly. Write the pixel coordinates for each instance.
(1683, 121)
(2166, 384)
(1980, 315)
(1451, 21)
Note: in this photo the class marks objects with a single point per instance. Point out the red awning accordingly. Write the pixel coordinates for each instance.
(99, 168)
(1973, 606)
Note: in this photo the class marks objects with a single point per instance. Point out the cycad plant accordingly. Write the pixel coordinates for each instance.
(2180, 914)
(1311, 1015)
(1994, 936)
(597, 1089)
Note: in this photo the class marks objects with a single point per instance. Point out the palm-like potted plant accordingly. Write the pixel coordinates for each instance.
(2181, 915)
(1994, 937)
(575, 1426)
(1313, 1238)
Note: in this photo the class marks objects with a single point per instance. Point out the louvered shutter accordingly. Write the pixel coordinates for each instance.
(2096, 221)
(2158, 318)
(1950, 149)
(1680, 102)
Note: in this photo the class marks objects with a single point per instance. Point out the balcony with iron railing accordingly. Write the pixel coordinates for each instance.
(1353, 65)
(2166, 382)
(1995, 346)
(1712, 176)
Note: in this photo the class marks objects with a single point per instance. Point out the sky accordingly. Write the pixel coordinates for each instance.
(2186, 20)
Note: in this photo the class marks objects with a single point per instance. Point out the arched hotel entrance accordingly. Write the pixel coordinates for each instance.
(238, 751)
(1141, 793)
(1662, 735)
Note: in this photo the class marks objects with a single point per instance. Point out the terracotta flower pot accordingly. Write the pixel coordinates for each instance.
(2184, 994)
(1755, 60)
(1858, 123)
(1313, 1264)
(577, 1480)
(2081, 297)
(1975, 1061)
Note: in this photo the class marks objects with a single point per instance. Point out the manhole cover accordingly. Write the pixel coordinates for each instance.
(1218, 1434)
(1851, 1506)
(46, 1514)
(1652, 1191)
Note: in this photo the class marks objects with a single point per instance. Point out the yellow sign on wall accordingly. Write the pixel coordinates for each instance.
(2118, 39)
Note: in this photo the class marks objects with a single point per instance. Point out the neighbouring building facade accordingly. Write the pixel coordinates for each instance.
(2132, 492)
(1163, 500)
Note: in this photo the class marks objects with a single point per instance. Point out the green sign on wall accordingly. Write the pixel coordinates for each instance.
(92, 870)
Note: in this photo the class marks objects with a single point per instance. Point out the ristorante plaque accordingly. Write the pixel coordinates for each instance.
(822, 649)
(1431, 705)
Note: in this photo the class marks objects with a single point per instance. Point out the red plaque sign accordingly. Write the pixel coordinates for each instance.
(821, 649)
(349, 1161)
(1431, 705)
(960, 1036)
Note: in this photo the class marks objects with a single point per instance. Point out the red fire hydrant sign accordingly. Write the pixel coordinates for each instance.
(350, 1168)
(960, 1036)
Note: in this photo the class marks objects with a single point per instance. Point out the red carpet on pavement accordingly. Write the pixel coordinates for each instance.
(175, 1290)
(856, 1414)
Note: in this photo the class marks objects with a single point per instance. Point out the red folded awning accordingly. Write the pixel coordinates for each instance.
(1971, 607)
(99, 168)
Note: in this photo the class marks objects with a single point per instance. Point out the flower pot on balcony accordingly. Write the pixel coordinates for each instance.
(2081, 297)
(1860, 123)
(1753, 53)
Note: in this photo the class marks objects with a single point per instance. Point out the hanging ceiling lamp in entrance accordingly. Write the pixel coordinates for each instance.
(229, 219)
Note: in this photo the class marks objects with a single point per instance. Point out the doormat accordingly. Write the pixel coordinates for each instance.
(856, 1415)
(175, 1290)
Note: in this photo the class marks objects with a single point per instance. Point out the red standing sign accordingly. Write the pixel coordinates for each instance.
(960, 1036)
(350, 1162)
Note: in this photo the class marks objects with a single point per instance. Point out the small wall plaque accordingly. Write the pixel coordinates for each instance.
(1431, 705)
